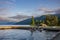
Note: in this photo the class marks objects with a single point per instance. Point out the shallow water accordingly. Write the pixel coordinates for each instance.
(17, 34)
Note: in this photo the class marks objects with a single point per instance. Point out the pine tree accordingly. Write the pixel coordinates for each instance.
(51, 20)
(56, 20)
(33, 21)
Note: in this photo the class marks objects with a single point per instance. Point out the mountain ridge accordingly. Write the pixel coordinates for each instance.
(27, 21)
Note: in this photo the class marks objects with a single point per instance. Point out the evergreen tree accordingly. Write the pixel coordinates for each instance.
(36, 22)
(58, 21)
(32, 21)
(51, 20)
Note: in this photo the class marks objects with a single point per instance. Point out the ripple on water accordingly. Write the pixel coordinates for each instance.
(15, 34)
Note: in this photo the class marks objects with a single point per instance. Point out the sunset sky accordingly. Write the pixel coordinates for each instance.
(28, 7)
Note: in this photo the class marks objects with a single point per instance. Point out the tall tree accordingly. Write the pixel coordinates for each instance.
(32, 21)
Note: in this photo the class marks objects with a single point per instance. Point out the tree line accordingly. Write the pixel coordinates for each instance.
(50, 20)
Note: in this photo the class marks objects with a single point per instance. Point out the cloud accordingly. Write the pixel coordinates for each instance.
(16, 18)
(6, 6)
(57, 11)
(47, 10)
(7, 19)
(3, 9)
(20, 17)
(7, 2)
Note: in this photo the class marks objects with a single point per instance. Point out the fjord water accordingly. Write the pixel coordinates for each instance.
(17, 34)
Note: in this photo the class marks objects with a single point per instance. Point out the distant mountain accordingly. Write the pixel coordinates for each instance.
(57, 15)
(7, 23)
(12, 20)
(20, 17)
(28, 21)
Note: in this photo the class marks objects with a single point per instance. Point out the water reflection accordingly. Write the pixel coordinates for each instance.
(15, 34)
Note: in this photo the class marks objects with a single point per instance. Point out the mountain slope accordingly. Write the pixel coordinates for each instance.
(28, 21)
(12, 20)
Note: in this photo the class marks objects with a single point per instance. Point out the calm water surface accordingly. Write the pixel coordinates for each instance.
(17, 34)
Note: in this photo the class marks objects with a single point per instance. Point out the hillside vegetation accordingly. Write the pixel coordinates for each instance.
(50, 20)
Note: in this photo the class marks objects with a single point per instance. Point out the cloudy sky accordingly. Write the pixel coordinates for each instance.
(28, 7)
